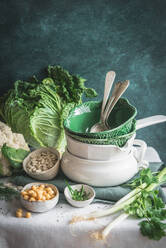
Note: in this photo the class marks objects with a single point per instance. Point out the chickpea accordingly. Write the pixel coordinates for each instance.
(53, 195)
(42, 186)
(39, 198)
(18, 214)
(23, 193)
(34, 187)
(44, 193)
(31, 192)
(34, 195)
(19, 210)
(32, 199)
(51, 192)
(27, 215)
(39, 195)
(43, 198)
(26, 197)
(48, 197)
(48, 189)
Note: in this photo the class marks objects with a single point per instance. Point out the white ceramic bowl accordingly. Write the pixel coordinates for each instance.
(103, 173)
(44, 175)
(98, 152)
(40, 206)
(79, 204)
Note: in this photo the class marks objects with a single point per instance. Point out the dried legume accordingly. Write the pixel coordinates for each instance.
(41, 162)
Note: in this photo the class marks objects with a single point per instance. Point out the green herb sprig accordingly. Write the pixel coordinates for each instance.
(149, 206)
(78, 195)
(146, 176)
(7, 193)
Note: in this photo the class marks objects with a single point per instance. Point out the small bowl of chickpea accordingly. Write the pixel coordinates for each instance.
(39, 197)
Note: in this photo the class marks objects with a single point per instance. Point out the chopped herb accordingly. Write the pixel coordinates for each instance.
(78, 195)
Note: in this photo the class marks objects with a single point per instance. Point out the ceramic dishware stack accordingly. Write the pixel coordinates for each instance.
(105, 158)
(103, 165)
(121, 120)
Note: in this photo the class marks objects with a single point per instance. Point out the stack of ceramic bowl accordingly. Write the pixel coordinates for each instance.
(121, 120)
(103, 158)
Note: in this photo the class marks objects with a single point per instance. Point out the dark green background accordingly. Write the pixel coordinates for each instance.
(90, 37)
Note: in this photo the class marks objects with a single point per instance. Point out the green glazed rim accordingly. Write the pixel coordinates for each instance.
(118, 141)
(104, 134)
(133, 130)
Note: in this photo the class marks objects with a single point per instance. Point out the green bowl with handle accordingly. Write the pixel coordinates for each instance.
(84, 116)
(119, 141)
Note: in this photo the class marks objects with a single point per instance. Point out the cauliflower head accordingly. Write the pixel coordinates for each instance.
(13, 140)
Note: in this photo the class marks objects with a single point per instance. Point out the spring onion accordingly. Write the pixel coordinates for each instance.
(142, 202)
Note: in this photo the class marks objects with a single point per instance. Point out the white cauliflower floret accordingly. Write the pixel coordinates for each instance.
(5, 134)
(19, 141)
(13, 140)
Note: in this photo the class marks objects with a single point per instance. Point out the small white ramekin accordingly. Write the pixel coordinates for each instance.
(79, 204)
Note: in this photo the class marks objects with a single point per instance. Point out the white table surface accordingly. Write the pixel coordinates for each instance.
(52, 229)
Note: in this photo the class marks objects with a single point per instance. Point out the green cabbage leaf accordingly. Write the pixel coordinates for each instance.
(37, 109)
(14, 156)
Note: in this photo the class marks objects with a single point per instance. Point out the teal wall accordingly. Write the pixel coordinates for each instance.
(90, 37)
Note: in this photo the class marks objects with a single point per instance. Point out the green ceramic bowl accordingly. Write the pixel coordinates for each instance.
(117, 141)
(84, 116)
